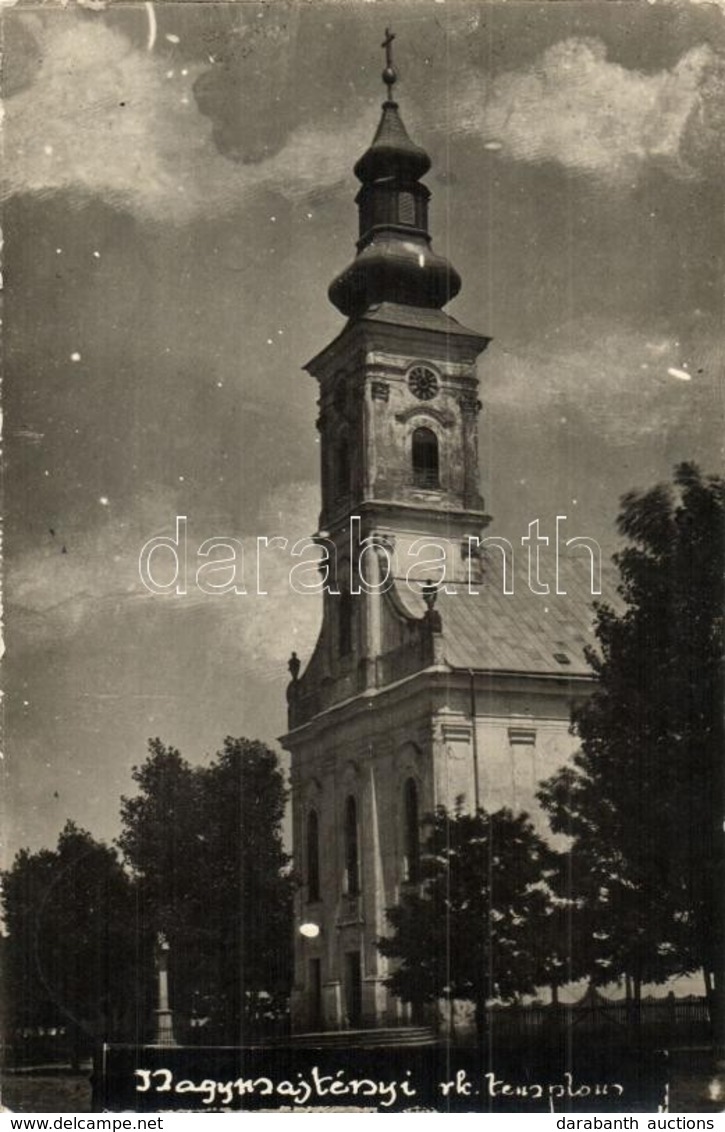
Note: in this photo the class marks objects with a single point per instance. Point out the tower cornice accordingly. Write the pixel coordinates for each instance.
(392, 323)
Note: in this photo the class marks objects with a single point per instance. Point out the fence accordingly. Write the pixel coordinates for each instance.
(655, 1022)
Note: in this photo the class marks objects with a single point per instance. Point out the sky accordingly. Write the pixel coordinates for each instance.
(177, 196)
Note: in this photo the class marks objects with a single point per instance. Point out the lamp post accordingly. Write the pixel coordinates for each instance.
(309, 930)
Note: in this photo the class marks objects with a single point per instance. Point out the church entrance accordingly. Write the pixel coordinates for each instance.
(353, 989)
(315, 994)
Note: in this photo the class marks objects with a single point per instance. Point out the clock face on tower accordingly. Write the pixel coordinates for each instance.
(423, 382)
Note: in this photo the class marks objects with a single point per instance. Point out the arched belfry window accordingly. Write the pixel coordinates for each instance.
(352, 857)
(411, 820)
(313, 856)
(425, 458)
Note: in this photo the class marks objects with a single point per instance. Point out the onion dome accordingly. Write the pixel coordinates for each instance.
(395, 261)
(392, 153)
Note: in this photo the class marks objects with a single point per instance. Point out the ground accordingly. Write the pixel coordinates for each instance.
(46, 1090)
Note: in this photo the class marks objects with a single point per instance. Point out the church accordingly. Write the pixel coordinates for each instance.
(441, 672)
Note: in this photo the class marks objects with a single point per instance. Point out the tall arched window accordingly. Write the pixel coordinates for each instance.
(342, 468)
(352, 862)
(425, 458)
(344, 621)
(313, 856)
(412, 831)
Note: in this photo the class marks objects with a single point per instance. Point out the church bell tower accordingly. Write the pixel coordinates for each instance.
(398, 387)
(398, 399)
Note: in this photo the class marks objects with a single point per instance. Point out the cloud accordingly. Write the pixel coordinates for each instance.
(715, 3)
(105, 118)
(621, 391)
(262, 628)
(575, 107)
(53, 595)
(57, 591)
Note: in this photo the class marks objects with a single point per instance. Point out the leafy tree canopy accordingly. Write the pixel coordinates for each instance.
(644, 799)
(205, 845)
(70, 939)
(481, 924)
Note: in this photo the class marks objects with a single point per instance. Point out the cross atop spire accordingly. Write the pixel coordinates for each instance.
(389, 74)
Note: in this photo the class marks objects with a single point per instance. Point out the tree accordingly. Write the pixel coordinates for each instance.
(477, 927)
(644, 799)
(205, 844)
(69, 952)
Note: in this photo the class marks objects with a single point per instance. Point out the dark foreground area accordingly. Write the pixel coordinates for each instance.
(46, 1090)
(59, 1089)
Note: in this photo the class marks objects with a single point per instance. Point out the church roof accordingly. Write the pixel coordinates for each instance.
(523, 632)
(515, 633)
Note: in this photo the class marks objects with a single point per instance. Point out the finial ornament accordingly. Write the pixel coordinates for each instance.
(389, 75)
